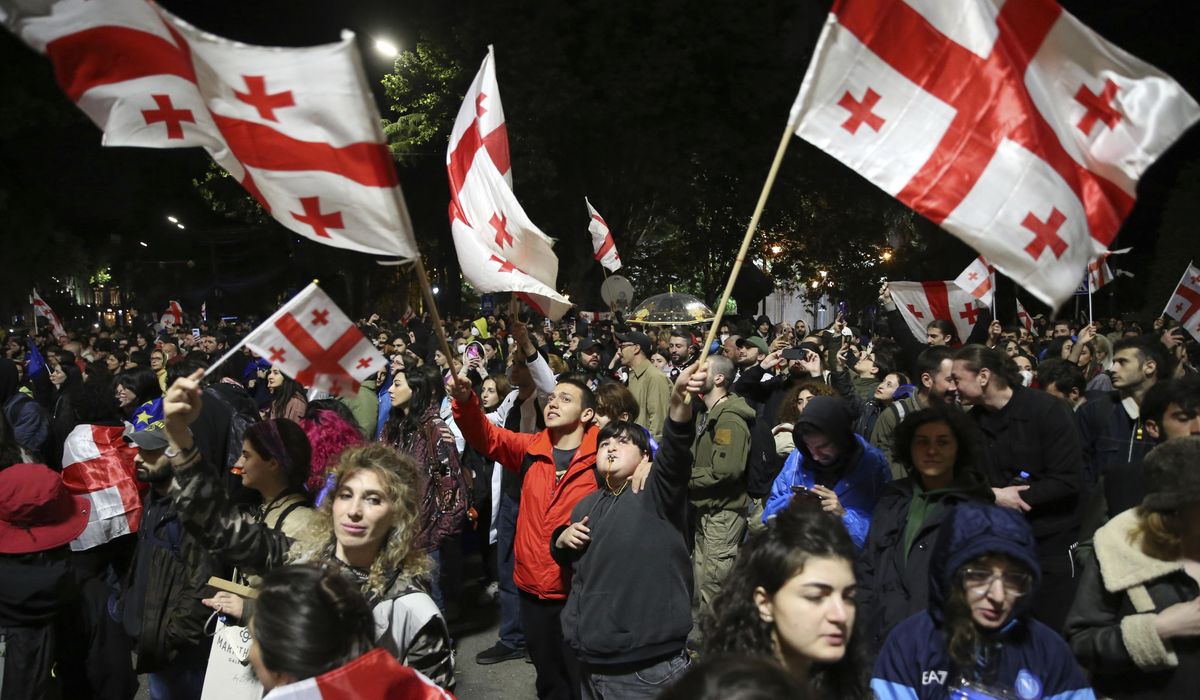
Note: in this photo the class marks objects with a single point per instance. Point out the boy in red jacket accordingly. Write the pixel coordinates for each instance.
(557, 468)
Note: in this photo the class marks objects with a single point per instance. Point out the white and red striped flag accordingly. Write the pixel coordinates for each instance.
(978, 280)
(1024, 318)
(921, 302)
(312, 341)
(499, 248)
(1184, 305)
(375, 675)
(296, 127)
(173, 315)
(42, 310)
(1008, 123)
(604, 247)
(98, 465)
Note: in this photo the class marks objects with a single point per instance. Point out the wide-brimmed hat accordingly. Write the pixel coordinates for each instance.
(37, 512)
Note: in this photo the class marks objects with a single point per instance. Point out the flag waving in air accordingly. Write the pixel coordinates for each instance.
(298, 128)
(1010, 124)
(922, 302)
(312, 341)
(978, 280)
(42, 310)
(173, 316)
(603, 245)
(1024, 318)
(499, 248)
(1184, 305)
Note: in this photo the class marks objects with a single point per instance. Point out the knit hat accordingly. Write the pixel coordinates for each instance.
(1172, 473)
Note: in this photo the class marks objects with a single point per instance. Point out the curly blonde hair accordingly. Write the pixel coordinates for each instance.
(398, 475)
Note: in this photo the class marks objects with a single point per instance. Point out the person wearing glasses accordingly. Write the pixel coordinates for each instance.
(978, 639)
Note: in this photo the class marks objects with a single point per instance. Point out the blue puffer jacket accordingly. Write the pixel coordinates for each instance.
(865, 474)
(1025, 658)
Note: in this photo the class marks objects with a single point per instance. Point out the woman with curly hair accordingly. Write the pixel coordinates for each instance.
(938, 448)
(368, 531)
(791, 597)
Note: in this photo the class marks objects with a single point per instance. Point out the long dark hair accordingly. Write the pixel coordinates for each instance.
(142, 381)
(427, 391)
(309, 620)
(769, 560)
(287, 388)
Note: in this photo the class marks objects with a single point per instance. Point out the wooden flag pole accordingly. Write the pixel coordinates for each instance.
(741, 256)
(434, 318)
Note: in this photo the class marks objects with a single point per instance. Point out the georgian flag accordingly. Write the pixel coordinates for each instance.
(375, 675)
(298, 128)
(42, 310)
(173, 315)
(921, 302)
(1008, 123)
(604, 247)
(1184, 305)
(978, 280)
(499, 248)
(312, 341)
(1024, 318)
(98, 465)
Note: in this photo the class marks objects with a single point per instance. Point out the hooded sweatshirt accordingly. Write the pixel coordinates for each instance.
(721, 449)
(857, 476)
(1024, 658)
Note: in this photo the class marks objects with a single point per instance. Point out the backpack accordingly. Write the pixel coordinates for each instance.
(446, 497)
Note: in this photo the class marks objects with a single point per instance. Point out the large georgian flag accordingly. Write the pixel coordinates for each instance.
(921, 302)
(1184, 305)
(98, 465)
(499, 248)
(312, 341)
(298, 128)
(173, 316)
(1010, 124)
(604, 248)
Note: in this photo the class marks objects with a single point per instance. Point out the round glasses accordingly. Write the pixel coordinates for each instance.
(979, 581)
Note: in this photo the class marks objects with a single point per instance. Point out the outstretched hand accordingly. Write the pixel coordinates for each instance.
(181, 407)
(460, 388)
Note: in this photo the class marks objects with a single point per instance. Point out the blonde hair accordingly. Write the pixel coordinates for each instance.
(397, 474)
(1158, 533)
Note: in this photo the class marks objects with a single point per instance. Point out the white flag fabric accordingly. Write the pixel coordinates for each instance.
(604, 247)
(42, 310)
(978, 280)
(1099, 273)
(1184, 305)
(921, 302)
(298, 128)
(1007, 122)
(173, 316)
(499, 248)
(1024, 318)
(312, 341)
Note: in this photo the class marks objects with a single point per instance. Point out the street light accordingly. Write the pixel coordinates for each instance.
(143, 244)
(823, 274)
(386, 48)
(776, 249)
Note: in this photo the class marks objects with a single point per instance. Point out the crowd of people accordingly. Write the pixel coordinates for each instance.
(844, 512)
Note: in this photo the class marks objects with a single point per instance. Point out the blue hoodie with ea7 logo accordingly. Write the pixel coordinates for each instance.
(1025, 659)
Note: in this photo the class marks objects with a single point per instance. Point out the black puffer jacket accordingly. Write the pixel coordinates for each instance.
(1111, 623)
(891, 586)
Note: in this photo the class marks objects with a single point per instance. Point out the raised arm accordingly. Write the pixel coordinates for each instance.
(495, 443)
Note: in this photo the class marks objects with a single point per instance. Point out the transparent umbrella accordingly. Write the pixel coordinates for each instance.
(672, 308)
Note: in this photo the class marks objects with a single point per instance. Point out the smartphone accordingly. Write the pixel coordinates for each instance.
(474, 351)
(195, 332)
(793, 353)
(804, 491)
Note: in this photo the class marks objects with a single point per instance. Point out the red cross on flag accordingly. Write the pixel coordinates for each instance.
(173, 316)
(42, 310)
(921, 302)
(499, 248)
(1024, 318)
(310, 340)
(978, 280)
(98, 465)
(603, 246)
(298, 128)
(1010, 124)
(1184, 305)
(1098, 271)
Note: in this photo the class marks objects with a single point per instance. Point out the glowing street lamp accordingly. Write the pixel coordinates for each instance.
(776, 249)
(386, 48)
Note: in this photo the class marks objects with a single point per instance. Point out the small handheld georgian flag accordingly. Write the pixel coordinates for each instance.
(1024, 318)
(42, 310)
(604, 247)
(173, 315)
(1184, 305)
(978, 281)
(312, 341)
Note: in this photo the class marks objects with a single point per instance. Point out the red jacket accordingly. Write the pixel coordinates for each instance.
(545, 505)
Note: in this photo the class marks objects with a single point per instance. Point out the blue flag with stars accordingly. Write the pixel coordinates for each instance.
(149, 415)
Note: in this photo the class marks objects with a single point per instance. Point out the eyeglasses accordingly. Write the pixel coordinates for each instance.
(979, 581)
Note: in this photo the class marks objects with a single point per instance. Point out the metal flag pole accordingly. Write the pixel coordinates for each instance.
(741, 256)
